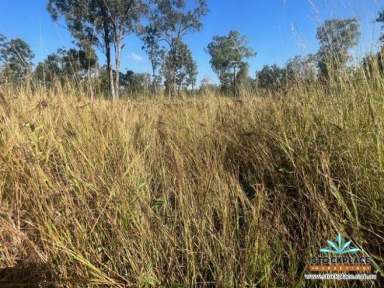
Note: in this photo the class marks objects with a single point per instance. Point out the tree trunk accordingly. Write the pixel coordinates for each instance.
(172, 70)
(117, 67)
(110, 73)
(90, 85)
(107, 44)
(109, 66)
(154, 80)
(234, 82)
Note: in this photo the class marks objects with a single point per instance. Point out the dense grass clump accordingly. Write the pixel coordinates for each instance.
(194, 192)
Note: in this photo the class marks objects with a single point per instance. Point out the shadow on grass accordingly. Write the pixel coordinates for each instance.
(28, 275)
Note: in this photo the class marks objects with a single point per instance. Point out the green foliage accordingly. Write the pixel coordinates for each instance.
(76, 61)
(15, 59)
(298, 70)
(3, 40)
(170, 21)
(228, 53)
(97, 21)
(69, 64)
(131, 83)
(336, 37)
(179, 69)
(102, 23)
(271, 78)
(173, 19)
(155, 52)
(380, 19)
(135, 83)
(48, 70)
(302, 68)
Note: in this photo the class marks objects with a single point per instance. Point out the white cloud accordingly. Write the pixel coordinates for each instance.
(135, 57)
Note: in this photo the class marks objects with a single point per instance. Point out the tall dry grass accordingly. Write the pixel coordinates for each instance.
(200, 192)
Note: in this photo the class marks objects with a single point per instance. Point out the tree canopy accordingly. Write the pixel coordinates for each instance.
(162, 26)
(169, 22)
(72, 64)
(336, 37)
(228, 54)
(380, 19)
(16, 59)
(102, 23)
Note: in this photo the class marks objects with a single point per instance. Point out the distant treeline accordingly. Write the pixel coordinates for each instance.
(162, 26)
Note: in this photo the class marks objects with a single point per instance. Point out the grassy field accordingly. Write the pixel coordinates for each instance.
(196, 192)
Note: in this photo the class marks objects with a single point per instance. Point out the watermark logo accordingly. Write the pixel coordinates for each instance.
(341, 259)
(340, 247)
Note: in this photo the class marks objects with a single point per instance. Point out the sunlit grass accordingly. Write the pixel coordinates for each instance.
(195, 192)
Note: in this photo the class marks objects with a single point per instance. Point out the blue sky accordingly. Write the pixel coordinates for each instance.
(277, 29)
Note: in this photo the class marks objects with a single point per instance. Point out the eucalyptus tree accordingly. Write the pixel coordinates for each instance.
(102, 23)
(271, 78)
(16, 59)
(3, 41)
(155, 52)
(302, 68)
(49, 70)
(136, 82)
(380, 19)
(169, 22)
(336, 38)
(228, 57)
(179, 67)
(72, 64)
